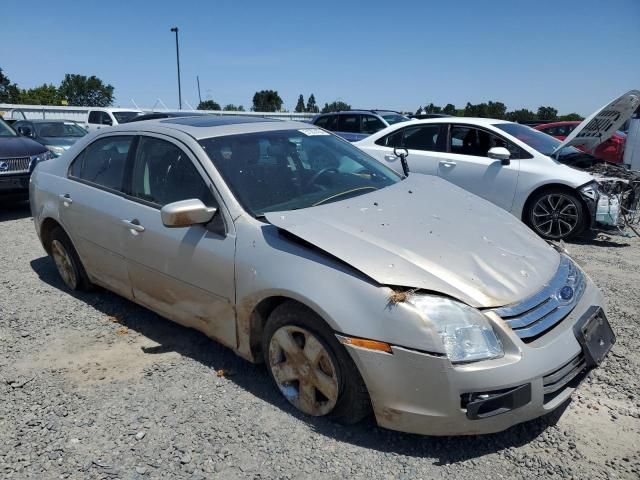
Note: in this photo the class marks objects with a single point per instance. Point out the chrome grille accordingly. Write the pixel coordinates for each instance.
(14, 165)
(558, 379)
(539, 313)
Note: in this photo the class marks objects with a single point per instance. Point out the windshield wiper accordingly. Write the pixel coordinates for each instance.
(341, 194)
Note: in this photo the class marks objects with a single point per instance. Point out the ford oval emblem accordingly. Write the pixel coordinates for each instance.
(4, 166)
(566, 293)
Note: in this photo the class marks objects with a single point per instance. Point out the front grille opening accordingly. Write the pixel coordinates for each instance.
(569, 375)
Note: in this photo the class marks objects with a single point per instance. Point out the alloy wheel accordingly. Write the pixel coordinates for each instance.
(64, 264)
(304, 370)
(555, 215)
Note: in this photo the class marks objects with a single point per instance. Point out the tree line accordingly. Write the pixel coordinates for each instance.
(499, 110)
(83, 91)
(75, 90)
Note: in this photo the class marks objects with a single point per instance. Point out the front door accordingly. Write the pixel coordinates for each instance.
(185, 274)
(467, 165)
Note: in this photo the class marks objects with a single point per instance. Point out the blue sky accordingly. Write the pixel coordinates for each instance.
(574, 54)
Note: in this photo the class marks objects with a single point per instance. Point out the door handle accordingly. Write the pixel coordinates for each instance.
(390, 158)
(133, 225)
(66, 199)
(445, 163)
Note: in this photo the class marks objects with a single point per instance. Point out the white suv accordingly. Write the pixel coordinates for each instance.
(98, 118)
(516, 167)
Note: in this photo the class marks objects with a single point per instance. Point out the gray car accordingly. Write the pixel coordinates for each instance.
(56, 135)
(361, 290)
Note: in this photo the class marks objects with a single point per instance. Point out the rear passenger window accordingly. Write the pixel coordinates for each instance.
(103, 162)
(425, 137)
(163, 173)
(349, 123)
(95, 117)
(371, 124)
(327, 122)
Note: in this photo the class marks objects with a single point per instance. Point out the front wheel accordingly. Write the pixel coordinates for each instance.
(555, 214)
(310, 367)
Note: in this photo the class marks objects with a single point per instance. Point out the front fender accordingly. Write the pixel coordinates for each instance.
(271, 265)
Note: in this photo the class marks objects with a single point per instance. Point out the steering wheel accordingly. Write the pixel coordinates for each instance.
(319, 173)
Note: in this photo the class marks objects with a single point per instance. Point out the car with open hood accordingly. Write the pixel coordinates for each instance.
(536, 177)
(360, 289)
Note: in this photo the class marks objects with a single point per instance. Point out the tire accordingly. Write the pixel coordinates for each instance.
(555, 214)
(67, 262)
(297, 371)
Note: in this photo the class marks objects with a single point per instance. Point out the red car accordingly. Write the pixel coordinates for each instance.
(612, 150)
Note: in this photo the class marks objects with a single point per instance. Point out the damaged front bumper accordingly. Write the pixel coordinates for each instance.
(418, 392)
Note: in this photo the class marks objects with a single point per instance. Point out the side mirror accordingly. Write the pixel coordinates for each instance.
(500, 153)
(25, 131)
(186, 213)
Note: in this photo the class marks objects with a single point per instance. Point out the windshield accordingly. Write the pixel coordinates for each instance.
(6, 130)
(124, 117)
(393, 117)
(59, 129)
(292, 169)
(543, 143)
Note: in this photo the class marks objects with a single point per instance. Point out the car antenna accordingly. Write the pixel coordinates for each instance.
(402, 153)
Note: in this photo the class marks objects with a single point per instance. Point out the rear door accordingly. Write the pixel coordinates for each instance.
(91, 206)
(467, 165)
(425, 144)
(185, 274)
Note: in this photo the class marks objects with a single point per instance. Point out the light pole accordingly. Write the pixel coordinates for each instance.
(175, 29)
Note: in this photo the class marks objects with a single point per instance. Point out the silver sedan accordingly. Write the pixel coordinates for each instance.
(360, 289)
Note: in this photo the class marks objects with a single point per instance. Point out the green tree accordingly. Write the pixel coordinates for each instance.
(300, 104)
(82, 91)
(233, 108)
(311, 107)
(496, 110)
(449, 109)
(419, 110)
(570, 117)
(521, 115)
(209, 105)
(336, 106)
(9, 92)
(547, 114)
(267, 101)
(476, 110)
(43, 95)
(431, 108)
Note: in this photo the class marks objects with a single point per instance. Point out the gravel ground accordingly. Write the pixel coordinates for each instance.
(93, 386)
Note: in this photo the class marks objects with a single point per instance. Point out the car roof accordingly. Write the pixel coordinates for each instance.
(208, 126)
(45, 120)
(374, 111)
(481, 122)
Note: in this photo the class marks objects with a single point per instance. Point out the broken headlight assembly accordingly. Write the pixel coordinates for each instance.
(466, 333)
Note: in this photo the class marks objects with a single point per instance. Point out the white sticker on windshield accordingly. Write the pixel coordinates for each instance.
(310, 132)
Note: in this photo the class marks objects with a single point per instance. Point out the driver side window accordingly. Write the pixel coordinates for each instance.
(163, 173)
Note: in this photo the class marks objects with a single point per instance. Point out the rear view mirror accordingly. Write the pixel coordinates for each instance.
(500, 153)
(186, 213)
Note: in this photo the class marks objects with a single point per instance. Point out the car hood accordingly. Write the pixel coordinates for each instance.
(19, 147)
(426, 233)
(603, 123)
(64, 142)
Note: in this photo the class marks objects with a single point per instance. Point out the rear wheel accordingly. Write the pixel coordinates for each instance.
(310, 367)
(67, 261)
(555, 214)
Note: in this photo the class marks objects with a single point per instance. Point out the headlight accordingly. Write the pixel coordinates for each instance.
(466, 333)
(57, 151)
(41, 157)
(590, 190)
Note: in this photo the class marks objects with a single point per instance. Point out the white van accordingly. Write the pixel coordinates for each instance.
(106, 117)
